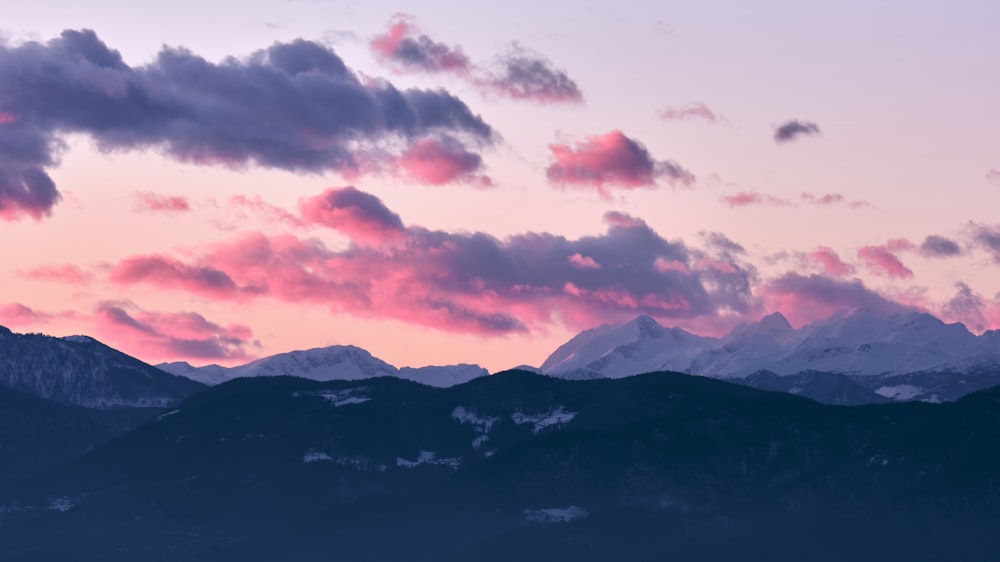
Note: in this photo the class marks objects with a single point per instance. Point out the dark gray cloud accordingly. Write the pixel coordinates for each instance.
(791, 130)
(525, 75)
(293, 106)
(940, 247)
(987, 238)
(723, 243)
(832, 294)
(971, 308)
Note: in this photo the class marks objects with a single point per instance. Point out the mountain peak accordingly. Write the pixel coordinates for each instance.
(647, 326)
(79, 339)
(776, 323)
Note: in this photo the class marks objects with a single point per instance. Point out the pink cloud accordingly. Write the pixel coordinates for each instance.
(168, 273)
(720, 266)
(70, 274)
(611, 159)
(831, 199)
(459, 282)
(900, 245)
(268, 212)
(7, 118)
(696, 110)
(808, 298)
(830, 261)
(156, 336)
(882, 261)
(401, 46)
(437, 161)
(583, 262)
(993, 176)
(750, 198)
(356, 214)
(147, 201)
(666, 266)
(18, 315)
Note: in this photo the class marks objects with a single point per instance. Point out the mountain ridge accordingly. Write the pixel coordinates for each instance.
(82, 371)
(336, 362)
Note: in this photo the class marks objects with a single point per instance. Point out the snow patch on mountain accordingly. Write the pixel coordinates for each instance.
(428, 457)
(900, 391)
(483, 425)
(315, 456)
(558, 417)
(555, 514)
(62, 504)
(345, 397)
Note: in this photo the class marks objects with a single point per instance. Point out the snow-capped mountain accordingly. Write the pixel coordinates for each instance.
(864, 344)
(617, 351)
(82, 371)
(338, 362)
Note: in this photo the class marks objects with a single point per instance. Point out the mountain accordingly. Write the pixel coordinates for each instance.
(338, 362)
(82, 371)
(612, 352)
(871, 348)
(519, 466)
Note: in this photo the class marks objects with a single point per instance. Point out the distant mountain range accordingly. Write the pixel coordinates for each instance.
(854, 356)
(338, 362)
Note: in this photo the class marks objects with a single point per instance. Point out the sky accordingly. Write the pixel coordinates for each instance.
(456, 182)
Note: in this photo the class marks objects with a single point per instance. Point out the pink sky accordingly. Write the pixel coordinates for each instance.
(446, 183)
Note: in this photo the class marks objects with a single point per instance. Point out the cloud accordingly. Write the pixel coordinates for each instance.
(696, 110)
(993, 176)
(723, 243)
(461, 282)
(583, 262)
(18, 315)
(358, 215)
(988, 238)
(153, 202)
(268, 212)
(167, 273)
(167, 336)
(751, 198)
(882, 261)
(529, 76)
(971, 308)
(807, 298)
(830, 261)
(437, 161)
(402, 47)
(791, 130)
(66, 273)
(292, 106)
(935, 246)
(611, 159)
(831, 199)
